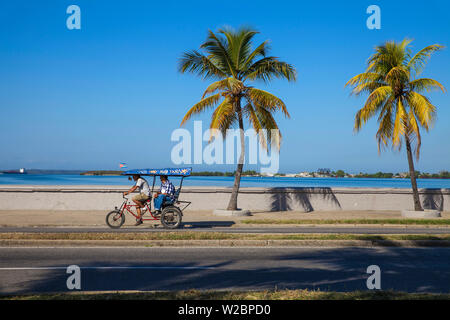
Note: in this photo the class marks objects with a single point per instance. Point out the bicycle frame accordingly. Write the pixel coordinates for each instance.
(126, 206)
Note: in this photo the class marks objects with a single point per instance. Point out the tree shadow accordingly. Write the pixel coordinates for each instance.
(284, 199)
(433, 199)
(325, 269)
(206, 224)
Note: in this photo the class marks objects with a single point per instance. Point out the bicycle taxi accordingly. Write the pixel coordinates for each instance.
(171, 210)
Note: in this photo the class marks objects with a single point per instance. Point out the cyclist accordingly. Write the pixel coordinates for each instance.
(140, 199)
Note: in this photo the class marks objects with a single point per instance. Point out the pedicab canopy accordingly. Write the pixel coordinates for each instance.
(179, 172)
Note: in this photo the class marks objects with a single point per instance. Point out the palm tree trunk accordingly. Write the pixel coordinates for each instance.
(232, 205)
(412, 173)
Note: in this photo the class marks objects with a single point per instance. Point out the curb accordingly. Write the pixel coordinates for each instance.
(224, 243)
(239, 225)
(339, 225)
(231, 213)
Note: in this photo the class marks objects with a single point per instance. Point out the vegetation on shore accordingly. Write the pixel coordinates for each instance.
(194, 173)
(440, 175)
(102, 173)
(253, 173)
(233, 295)
(334, 174)
(389, 175)
(224, 174)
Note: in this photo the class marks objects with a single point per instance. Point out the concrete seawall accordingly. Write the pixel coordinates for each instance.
(27, 197)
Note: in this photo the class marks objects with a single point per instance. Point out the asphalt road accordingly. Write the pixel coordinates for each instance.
(26, 270)
(271, 229)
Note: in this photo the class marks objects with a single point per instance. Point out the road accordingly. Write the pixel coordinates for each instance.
(271, 229)
(25, 270)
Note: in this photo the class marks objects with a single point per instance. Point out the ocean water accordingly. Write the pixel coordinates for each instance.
(266, 182)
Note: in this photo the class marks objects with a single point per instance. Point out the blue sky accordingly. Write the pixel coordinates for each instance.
(111, 92)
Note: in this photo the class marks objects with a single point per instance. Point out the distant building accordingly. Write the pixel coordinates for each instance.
(304, 174)
(291, 175)
(267, 174)
(404, 174)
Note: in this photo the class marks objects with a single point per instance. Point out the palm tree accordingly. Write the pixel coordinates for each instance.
(228, 58)
(395, 95)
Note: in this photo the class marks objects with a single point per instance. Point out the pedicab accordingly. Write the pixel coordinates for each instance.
(171, 210)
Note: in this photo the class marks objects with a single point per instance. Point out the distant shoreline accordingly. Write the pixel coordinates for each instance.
(252, 173)
(222, 181)
(101, 173)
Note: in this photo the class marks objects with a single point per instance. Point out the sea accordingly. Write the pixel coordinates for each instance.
(218, 181)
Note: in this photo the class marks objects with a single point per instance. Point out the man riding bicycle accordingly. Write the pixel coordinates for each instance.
(140, 199)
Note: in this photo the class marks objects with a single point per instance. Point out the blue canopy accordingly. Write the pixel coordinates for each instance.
(181, 172)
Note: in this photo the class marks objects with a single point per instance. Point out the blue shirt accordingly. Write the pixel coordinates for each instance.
(167, 188)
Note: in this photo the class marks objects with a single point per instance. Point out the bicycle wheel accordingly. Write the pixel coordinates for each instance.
(115, 219)
(171, 217)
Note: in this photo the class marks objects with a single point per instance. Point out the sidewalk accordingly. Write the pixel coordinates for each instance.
(34, 218)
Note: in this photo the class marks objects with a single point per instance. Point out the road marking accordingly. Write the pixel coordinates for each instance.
(109, 268)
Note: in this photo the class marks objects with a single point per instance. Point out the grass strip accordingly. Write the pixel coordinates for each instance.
(189, 235)
(234, 295)
(425, 222)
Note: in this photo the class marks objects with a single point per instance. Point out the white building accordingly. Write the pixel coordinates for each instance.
(304, 174)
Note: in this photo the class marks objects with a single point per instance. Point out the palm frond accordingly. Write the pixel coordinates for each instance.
(420, 59)
(388, 56)
(267, 100)
(422, 109)
(373, 104)
(365, 82)
(255, 122)
(239, 44)
(218, 49)
(260, 51)
(414, 133)
(385, 129)
(426, 84)
(201, 106)
(220, 85)
(230, 84)
(223, 117)
(269, 67)
(195, 62)
(269, 127)
(400, 124)
(397, 75)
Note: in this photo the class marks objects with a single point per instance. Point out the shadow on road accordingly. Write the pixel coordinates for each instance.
(206, 224)
(331, 269)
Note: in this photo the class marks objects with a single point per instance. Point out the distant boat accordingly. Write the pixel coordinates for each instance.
(20, 171)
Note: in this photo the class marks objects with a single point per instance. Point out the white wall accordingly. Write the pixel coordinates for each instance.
(210, 198)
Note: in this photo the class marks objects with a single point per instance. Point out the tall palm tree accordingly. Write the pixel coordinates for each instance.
(228, 58)
(395, 95)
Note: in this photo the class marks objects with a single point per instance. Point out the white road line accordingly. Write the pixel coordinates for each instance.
(108, 268)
